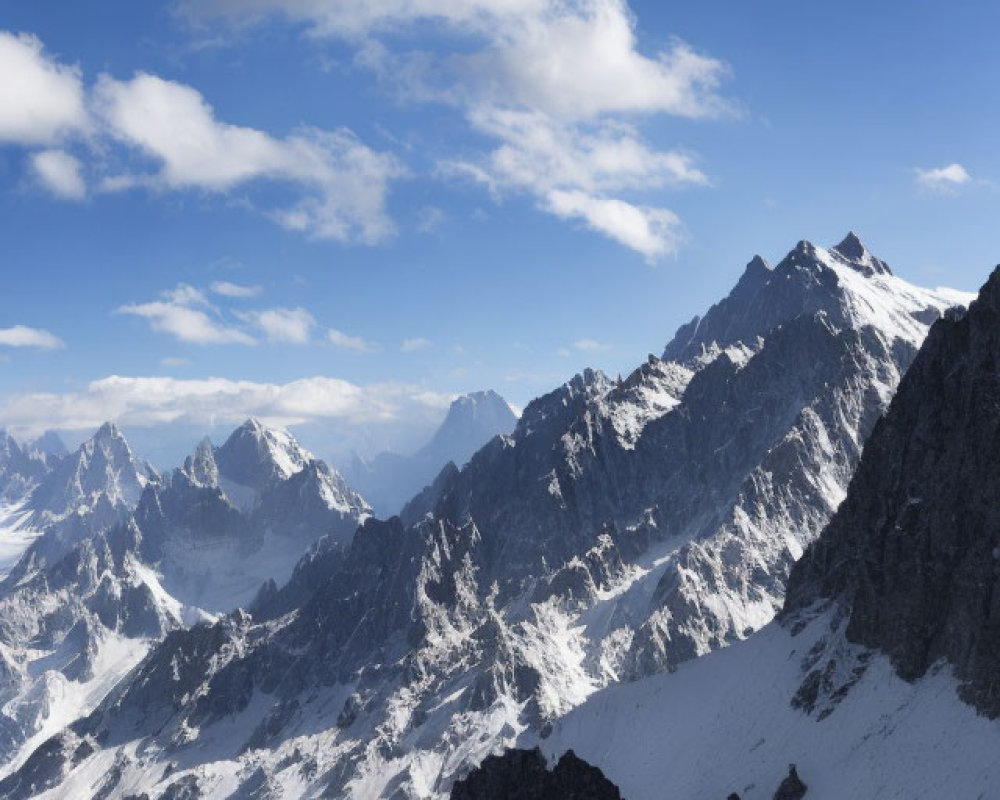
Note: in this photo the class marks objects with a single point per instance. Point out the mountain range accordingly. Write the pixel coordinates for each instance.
(623, 528)
(878, 678)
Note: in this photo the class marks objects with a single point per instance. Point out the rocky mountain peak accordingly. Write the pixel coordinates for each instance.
(854, 252)
(200, 466)
(255, 454)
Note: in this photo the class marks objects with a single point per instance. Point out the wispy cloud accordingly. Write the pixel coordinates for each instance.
(235, 290)
(59, 172)
(290, 325)
(412, 345)
(590, 346)
(150, 401)
(347, 342)
(185, 314)
(943, 180)
(23, 336)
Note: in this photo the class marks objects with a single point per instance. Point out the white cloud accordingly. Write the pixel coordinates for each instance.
(344, 183)
(551, 82)
(590, 346)
(227, 289)
(23, 336)
(569, 59)
(59, 172)
(291, 325)
(347, 342)
(573, 171)
(176, 315)
(543, 153)
(654, 232)
(150, 401)
(578, 60)
(412, 345)
(943, 179)
(40, 99)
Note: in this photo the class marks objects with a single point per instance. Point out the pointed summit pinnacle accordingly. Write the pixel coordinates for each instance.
(853, 250)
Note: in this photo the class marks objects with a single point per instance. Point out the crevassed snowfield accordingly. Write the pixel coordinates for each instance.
(60, 701)
(16, 535)
(724, 723)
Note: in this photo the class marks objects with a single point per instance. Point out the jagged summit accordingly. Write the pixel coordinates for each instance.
(254, 454)
(853, 250)
(48, 445)
(758, 265)
(200, 466)
(108, 431)
(848, 283)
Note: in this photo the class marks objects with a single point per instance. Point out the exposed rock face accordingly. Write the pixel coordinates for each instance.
(792, 787)
(914, 550)
(523, 775)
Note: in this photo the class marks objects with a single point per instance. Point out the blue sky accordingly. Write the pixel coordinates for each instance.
(399, 201)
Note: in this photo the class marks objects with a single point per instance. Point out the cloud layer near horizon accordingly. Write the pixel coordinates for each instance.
(152, 401)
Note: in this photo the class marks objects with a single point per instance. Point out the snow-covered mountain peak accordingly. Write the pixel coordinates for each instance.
(200, 466)
(49, 444)
(853, 250)
(255, 454)
(102, 465)
(107, 432)
(852, 286)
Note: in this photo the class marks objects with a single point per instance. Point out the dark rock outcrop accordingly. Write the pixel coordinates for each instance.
(792, 787)
(914, 550)
(524, 775)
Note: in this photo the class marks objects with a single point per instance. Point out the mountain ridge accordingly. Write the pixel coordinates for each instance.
(622, 528)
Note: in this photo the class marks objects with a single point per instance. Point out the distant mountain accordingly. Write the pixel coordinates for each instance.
(389, 479)
(84, 603)
(19, 471)
(65, 497)
(880, 678)
(101, 471)
(242, 514)
(48, 446)
(623, 528)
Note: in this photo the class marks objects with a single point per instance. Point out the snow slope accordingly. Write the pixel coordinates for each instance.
(724, 723)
